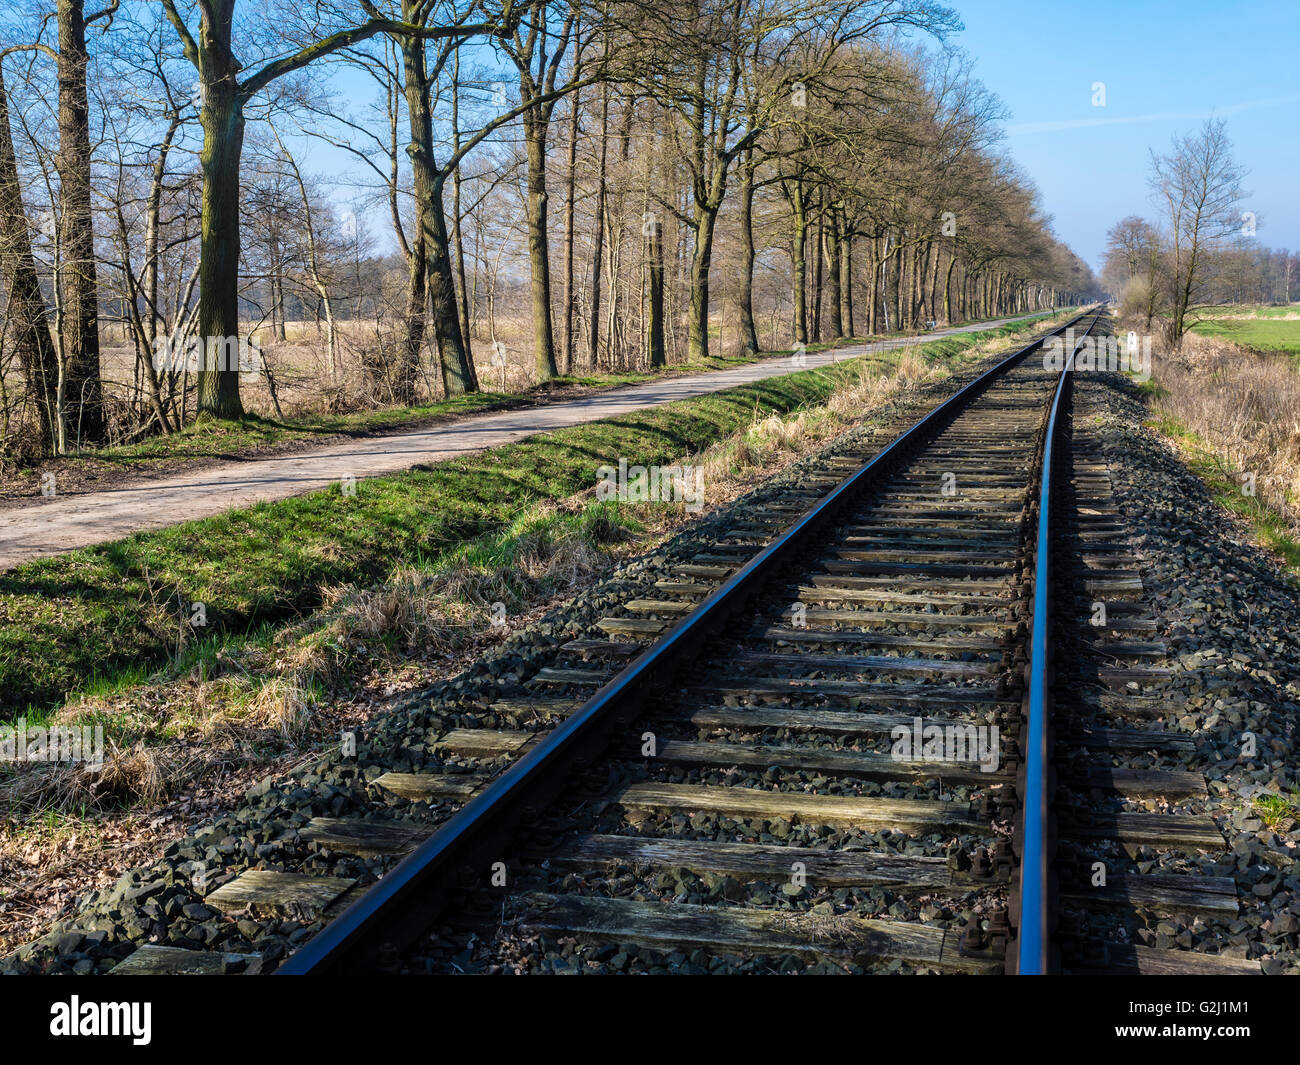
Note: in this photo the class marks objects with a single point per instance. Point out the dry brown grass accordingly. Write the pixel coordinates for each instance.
(772, 441)
(305, 382)
(441, 609)
(130, 775)
(1246, 409)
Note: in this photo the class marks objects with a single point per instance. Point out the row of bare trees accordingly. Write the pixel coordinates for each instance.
(593, 184)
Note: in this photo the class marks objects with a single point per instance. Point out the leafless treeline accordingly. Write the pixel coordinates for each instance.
(393, 199)
(1241, 270)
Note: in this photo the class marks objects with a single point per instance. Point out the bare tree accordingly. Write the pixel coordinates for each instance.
(211, 49)
(1199, 186)
(28, 322)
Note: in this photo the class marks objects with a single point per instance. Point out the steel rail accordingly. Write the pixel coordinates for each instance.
(403, 903)
(1032, 946)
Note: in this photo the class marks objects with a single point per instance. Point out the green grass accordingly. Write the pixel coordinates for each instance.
(1254, 310)
(1268, 527)
(93, 616)
(1264, 332)
(1276, 810)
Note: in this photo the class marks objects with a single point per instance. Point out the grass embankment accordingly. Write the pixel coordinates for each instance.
(1226, 487)
(85, 619)
(1235, 418)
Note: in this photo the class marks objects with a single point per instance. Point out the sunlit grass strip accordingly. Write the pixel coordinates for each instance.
(1276, 810)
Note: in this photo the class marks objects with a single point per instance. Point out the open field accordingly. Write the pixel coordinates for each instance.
(1258, 328)
(1254, 310)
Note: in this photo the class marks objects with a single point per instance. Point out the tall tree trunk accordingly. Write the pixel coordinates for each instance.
(457, 233)
(835, 271)
(570, 196)
(598, 238)
(800, 265)
(916, 291)
(900, 250)
(618, 354)
(819, 257)
(29, 326)
(405, 371)
(222, 118)
(748, 330)
(655, 350)
(874, 303)
(697, 336)
(83, 390)
(430, 243)
(932, 282)
(454, 361)
(846, 277)
(947, 290)
(539, 254)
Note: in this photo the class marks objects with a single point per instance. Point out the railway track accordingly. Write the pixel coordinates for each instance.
(905, 717)
(835, 751)
(1134, 825)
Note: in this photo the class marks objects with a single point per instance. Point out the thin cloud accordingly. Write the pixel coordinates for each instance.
(1158, 116)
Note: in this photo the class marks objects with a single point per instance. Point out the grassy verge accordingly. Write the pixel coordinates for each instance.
(1278, 812)
(1225, 486)
(82, 621)
(1231, 414)
(243, 700)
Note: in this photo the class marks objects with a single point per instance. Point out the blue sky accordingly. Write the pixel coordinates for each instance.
(1166, 66)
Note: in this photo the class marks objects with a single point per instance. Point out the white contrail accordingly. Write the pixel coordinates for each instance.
(1157, 116)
